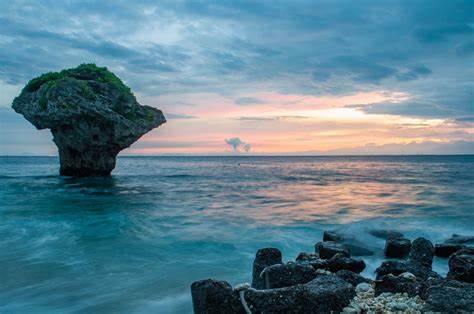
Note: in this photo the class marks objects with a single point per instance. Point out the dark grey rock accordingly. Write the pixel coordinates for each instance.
(397, 247)
(461, 265)
(422, 252)
(328, 249)
(311, 259)
(447, 249)
(449, 296)
(397, 267)
(336, 236)
(304, 256)
(324, 294)
(92, 116)
(398, 284)
(263, 258)
(355, 247)
(214, 297)
(460, 239)
(340, 262)
(386, 234)
(289, 274)
(352, 277)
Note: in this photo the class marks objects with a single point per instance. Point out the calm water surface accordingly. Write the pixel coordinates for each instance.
(135, 242)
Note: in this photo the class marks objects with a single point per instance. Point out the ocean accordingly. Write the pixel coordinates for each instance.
(134, 242)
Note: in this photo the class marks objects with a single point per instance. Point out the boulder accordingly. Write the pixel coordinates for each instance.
(397, 247)
(422, 252)
(397, 267)
(263, 258)
(304, 256)
(214, 297)
(289, 274)
(447, 249)
(352, 277)
(336, 236)
(403, 283)
(324, 294)
(355, 247)
(460, 239)
(461, 265)
(92, 116)
(328, 249)
(386, 234)
(311, 259)
(449, 296)
(340, 262)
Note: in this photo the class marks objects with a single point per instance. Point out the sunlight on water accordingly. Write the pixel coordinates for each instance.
(135, 242)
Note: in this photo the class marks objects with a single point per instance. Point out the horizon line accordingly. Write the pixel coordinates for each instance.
(250, 155)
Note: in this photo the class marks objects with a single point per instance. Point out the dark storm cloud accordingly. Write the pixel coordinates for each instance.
(423, 48)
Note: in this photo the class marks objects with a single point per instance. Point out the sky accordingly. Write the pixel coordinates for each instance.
(267, 77)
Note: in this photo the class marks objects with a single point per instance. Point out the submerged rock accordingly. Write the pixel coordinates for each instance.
(447, 249)
(460, 239)
(385, 234)
(397, 247)
(328, 249)
(355, 247)
(91, 114)
(263, 258)
(453, 244)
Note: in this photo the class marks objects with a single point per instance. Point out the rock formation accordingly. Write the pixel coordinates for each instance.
(313, 284)
(91, 114)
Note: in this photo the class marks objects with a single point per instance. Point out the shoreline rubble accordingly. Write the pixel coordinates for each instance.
(329, 281)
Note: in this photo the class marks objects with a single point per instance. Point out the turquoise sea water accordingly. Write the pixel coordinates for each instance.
(133, 243)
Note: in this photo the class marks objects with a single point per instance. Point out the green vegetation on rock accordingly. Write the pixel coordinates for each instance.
(86, 71)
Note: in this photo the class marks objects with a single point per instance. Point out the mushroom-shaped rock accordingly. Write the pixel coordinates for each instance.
(91, 114)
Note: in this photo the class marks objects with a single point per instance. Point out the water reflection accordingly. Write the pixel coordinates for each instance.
(134, 241)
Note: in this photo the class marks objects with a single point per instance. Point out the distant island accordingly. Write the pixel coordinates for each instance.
(91, 113)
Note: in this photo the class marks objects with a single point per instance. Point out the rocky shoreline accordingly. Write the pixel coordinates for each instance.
(328, 280)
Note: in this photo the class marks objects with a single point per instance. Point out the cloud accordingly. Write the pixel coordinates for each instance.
(238, 49)
(248, 101)
(238, 145)
(222, 47)
(414, 73)
(178, 116)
